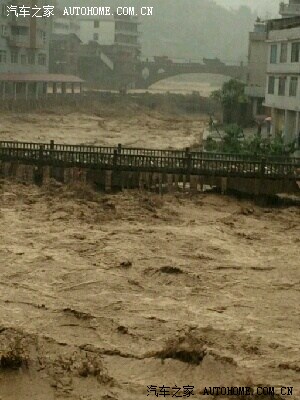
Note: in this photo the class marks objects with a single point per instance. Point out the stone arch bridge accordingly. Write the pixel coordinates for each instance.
(150, 72)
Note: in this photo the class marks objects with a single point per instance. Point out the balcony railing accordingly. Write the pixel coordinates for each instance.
(18, 41)
(123, 31)
(24, 41)
(289, 9)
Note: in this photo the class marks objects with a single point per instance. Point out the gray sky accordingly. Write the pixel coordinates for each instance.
(262, 6)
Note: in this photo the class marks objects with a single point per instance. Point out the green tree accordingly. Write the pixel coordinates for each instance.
(232, 97)
(232, 139)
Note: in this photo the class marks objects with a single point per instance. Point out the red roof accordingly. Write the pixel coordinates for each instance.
(40, 78)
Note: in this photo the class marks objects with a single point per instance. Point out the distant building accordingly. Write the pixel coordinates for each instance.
(291, 9)
(64, 52)
(283, 77)
(257, 67)
(95, 67)
(97, 29)
(63, 24)
(118, 38)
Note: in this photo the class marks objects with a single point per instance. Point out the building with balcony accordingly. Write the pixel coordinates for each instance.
(64, 24)
(24, 41)
(290, 9)
(24, 54)
(282, 94)
(257, 67)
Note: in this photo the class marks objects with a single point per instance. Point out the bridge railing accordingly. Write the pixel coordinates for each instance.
(146, 162)
(146, 152)
(243, 157)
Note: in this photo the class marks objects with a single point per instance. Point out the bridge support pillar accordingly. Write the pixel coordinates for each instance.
(193, 184)
(184, 180)
(160, 183)
(67, 175)
(108, 180)
(176, 179)
(28, 173)
(141, 181)
(201, 183)
(147, 180)
(223, 185)
(123, 180)
(5, 169)
(19, 172)
(170, 182)
(46, 174)
(257, 183)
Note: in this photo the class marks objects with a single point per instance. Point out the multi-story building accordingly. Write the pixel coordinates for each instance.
(257, 57)
(63, 24)
(290, 9)
(118, 37)
(64, 52)
(283, 77)
(96, 67)
(24, 40)
(257, 67)
(25, 29)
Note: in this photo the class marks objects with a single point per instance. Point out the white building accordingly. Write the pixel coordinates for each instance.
(65, 24)
(257, 57)
(283, 77)
(98, 29)
(257, 66)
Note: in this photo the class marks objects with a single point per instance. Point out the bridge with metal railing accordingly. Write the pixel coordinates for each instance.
(141, 160)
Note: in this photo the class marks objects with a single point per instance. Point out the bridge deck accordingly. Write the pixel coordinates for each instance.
(150, 160)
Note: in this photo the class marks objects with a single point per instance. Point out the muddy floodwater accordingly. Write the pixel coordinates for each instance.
(102, 295)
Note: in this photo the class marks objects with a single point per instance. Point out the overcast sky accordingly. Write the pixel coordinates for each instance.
(262, 6)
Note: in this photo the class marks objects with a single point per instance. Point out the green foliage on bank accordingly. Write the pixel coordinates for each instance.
(234, 142)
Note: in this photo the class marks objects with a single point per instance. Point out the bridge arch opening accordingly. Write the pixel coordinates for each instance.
(203, 83)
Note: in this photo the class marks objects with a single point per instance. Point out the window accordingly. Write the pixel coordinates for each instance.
(283, 52)
(42, 59)
(19, 30)
(23, 59)
(273, 57)
(295, 52)
(271, 85)
(293, 86)
(96, 24)
(4, 30)
(2, 56)
(43, 37)
(31, 58)
(96, 36)
(281, 87)
(14, 57)
(4, 10)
